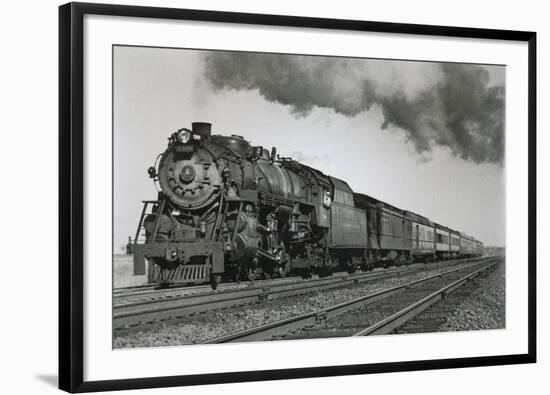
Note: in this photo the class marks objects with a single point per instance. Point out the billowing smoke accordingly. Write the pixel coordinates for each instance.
(435, 104)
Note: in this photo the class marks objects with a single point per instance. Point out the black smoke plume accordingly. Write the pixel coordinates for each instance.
(449, 105)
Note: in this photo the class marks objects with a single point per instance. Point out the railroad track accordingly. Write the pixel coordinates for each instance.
(371, 314)
(153, 291)
(135, 293)
(169, 304)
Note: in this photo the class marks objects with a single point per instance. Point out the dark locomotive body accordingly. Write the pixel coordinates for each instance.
(226, 209)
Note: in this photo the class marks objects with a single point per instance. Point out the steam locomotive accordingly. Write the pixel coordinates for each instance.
(227, 210)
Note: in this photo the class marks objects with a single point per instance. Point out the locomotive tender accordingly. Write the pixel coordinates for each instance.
(229, 210)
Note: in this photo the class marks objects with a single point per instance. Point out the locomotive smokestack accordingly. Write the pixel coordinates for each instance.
(202, 128)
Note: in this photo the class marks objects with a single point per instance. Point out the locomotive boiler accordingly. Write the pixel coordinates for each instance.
(227, 210)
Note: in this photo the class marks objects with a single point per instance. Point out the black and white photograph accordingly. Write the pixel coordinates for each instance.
(283, 197)
(254, 197)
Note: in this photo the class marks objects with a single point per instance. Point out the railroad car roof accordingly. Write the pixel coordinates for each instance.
(340, 184)
(362, 200)
(418, 218)
(438, 226)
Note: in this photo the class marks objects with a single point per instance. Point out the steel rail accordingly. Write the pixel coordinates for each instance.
(269, 330)
(396, 320)
(141, 291)
(135, 313)
(155, 288)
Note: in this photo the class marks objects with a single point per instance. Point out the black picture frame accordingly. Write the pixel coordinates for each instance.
(71, 198)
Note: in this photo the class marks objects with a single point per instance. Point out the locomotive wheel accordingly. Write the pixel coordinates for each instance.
(163, 284)
(267, 269)
(325, 271)
(251, 274)
(234, 273)
(215, 280)
(283, 267)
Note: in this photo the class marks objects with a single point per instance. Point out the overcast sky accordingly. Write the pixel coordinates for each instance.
(426, 137)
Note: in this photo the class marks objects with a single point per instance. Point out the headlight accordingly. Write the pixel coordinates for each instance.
(184, 136)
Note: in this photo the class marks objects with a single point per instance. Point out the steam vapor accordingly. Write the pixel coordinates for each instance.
(435, 104)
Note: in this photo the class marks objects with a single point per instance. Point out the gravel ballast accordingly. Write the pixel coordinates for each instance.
(213, 324)
(484, 308)
(479, 304)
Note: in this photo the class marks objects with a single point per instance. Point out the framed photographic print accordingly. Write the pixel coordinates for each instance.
(250, 197)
